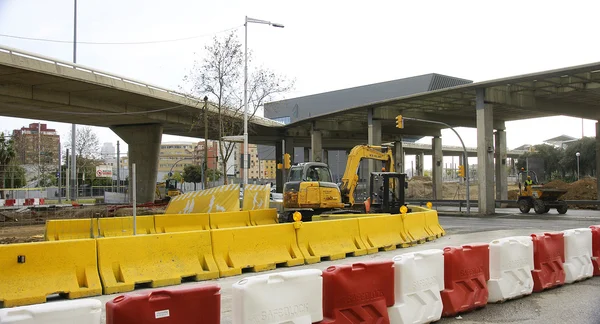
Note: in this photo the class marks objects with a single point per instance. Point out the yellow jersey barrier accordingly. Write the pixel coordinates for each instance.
(257, 248)
(71, 229)
(173, 223)
(123, 226)
(415, 227)
(29, 272)
(331, 240)
(384, 233)
(214, 200)
(229, 219)
(432, 222)
(263, 216)
(256, 197)
(157, 260)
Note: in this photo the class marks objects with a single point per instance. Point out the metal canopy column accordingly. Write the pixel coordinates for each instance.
(437, 167)
(485, 154)
(279, 175)
(316, 144)
(501, 165)
(374, 138)
(399, 156)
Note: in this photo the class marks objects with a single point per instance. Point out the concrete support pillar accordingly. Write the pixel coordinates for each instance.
(306, 154)
(501, 165)
(144, 147)
(437, 167)
(280, 174)
(485, 154)
(399, 156)
(598, 158)
(419, 163)
(326, 156)
(316, 144)
(374, 138)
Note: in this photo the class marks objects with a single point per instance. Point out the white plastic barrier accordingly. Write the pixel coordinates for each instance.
(85, 311)
(419, 278)
(285, 297)
(511, 262)
(578, 254)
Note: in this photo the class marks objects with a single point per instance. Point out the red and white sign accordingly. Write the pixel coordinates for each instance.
(103, 171)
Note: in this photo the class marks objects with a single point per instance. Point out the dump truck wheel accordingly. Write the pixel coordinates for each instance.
(285, 217)
(547, 209)
(562, 209)
(539, 206)
(524, 206)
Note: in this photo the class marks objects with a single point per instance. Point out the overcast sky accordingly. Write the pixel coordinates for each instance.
(325, 45)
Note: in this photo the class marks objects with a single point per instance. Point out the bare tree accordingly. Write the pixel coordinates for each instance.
(87, 148)
(219, 75)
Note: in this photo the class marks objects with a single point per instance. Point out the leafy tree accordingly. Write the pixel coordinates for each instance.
(192, 173)
(587, 160)
(213, 174)
(551, 156)
(176, 176)
(15, 176)
(7, 154)
(220, 77)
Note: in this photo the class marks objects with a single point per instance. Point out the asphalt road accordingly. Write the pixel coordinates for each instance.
(576, 303)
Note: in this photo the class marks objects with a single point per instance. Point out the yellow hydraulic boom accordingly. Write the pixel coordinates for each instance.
(358, 153)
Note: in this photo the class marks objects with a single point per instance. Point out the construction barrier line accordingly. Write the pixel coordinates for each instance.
(382, 233)
(157, 259)
(330, 240)
(172, 223)
(419, 278)
(188, 304)
(415, 227)
(263, 216)
(123, 226)
(31, 271)
(229, 219)
(578, 254)
(256, 197)
(257, 248)
(596, 249)
(511, 262)
(85, 311)
(71, 229)
(299, 298)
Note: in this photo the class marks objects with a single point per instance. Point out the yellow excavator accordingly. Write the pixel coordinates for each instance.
(310, 188)
(166, 190)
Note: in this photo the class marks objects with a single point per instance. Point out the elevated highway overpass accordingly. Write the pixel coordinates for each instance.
(37, 87)
(33, 86)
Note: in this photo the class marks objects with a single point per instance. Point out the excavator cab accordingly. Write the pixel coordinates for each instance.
(386, 194)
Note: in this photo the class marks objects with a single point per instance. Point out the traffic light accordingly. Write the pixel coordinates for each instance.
(287, 163)
(461, 171)
(399, 122)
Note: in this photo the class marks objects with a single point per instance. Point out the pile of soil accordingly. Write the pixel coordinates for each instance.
(513, 194)
(12, 240)
(556, 184)
(584, 189)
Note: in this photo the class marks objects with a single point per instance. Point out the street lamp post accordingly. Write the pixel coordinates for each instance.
(577, 155)
(256, 21)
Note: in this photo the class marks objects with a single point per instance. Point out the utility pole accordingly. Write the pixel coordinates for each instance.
(205, 166)
(118, 168)
(74, 126)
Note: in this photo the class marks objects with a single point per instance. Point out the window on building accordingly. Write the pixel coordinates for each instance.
(285, 120)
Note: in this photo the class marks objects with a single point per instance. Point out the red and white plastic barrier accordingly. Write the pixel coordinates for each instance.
(189, 304)
(22, 202)
(548, 260)
(578, 254)
(84, 311)
(596, 249)
(284, 297)
(511, 262)
(419, 278)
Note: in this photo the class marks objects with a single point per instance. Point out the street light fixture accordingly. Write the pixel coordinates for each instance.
(577, 155)
(256, 21)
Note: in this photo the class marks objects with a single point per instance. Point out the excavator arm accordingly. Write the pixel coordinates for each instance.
(357, 154)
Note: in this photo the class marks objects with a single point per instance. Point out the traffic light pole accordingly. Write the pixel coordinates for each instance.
(400, 124)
